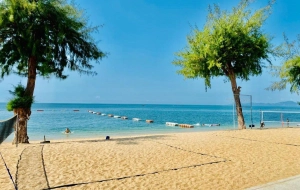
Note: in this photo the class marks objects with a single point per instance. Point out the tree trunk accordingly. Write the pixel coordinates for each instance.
(21, 127)
(236, 94)
(31, 76)
(24, 113)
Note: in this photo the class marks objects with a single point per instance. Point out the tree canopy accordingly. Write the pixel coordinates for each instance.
(52, 32)
(231, 44)
(289, 71)
(42, 37)
(19, 100)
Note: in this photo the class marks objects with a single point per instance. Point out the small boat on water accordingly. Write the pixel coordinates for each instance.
(116, 116)
(124, 117)
(136, 119)
(110, 115)
(103, 114)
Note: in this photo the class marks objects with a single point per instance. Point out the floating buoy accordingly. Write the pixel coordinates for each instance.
(171, 124)
(210, 125)
(136, 119)
(186, 126)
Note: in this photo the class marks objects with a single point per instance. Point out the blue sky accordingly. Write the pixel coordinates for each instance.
(141, 38)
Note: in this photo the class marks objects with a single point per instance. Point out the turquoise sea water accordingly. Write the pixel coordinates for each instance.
(54, 119)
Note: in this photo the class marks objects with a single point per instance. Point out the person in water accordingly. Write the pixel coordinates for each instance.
(67, 130)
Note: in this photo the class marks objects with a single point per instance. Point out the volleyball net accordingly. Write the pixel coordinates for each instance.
(281, 118)
(7, 127)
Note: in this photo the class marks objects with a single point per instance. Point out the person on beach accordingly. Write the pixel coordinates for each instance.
(262, 124)
(67, 130)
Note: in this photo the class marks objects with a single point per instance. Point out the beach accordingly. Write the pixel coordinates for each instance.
(231, 159)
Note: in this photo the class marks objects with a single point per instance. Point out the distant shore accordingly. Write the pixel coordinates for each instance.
(233, 159)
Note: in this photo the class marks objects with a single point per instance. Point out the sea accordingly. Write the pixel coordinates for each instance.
(51, 119)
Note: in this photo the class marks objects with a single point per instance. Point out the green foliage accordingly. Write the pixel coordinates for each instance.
(20, 100)
(230, 44)
(52, 32)
(289, 72)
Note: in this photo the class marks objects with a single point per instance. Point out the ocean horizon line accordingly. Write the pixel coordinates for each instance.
(284, 103)
(127, 103)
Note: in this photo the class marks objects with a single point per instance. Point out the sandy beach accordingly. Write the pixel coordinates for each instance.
(235, 159)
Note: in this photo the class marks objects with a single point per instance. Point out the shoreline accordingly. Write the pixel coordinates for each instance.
(136, 135)
(229, 159)
(122, 136)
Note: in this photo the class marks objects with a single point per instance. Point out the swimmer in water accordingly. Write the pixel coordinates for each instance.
(67, 130)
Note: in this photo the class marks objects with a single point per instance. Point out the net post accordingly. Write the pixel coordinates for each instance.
(281, 117)
(261, 119)
(251, 111)
(17, 128)
(233, 113)
(250, 98)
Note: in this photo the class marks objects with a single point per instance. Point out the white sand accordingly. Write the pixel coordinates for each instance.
(202, 160)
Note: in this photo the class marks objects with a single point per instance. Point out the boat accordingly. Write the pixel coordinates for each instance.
(110, 115)
(103, 114)
(116, 116)
(124, 117)
(149, 121)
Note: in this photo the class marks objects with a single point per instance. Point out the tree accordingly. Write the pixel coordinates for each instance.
(19, 100)
(43, 37)
(289, 71)
(231, 45)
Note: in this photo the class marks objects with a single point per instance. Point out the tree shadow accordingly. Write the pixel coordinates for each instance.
(121, 140)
